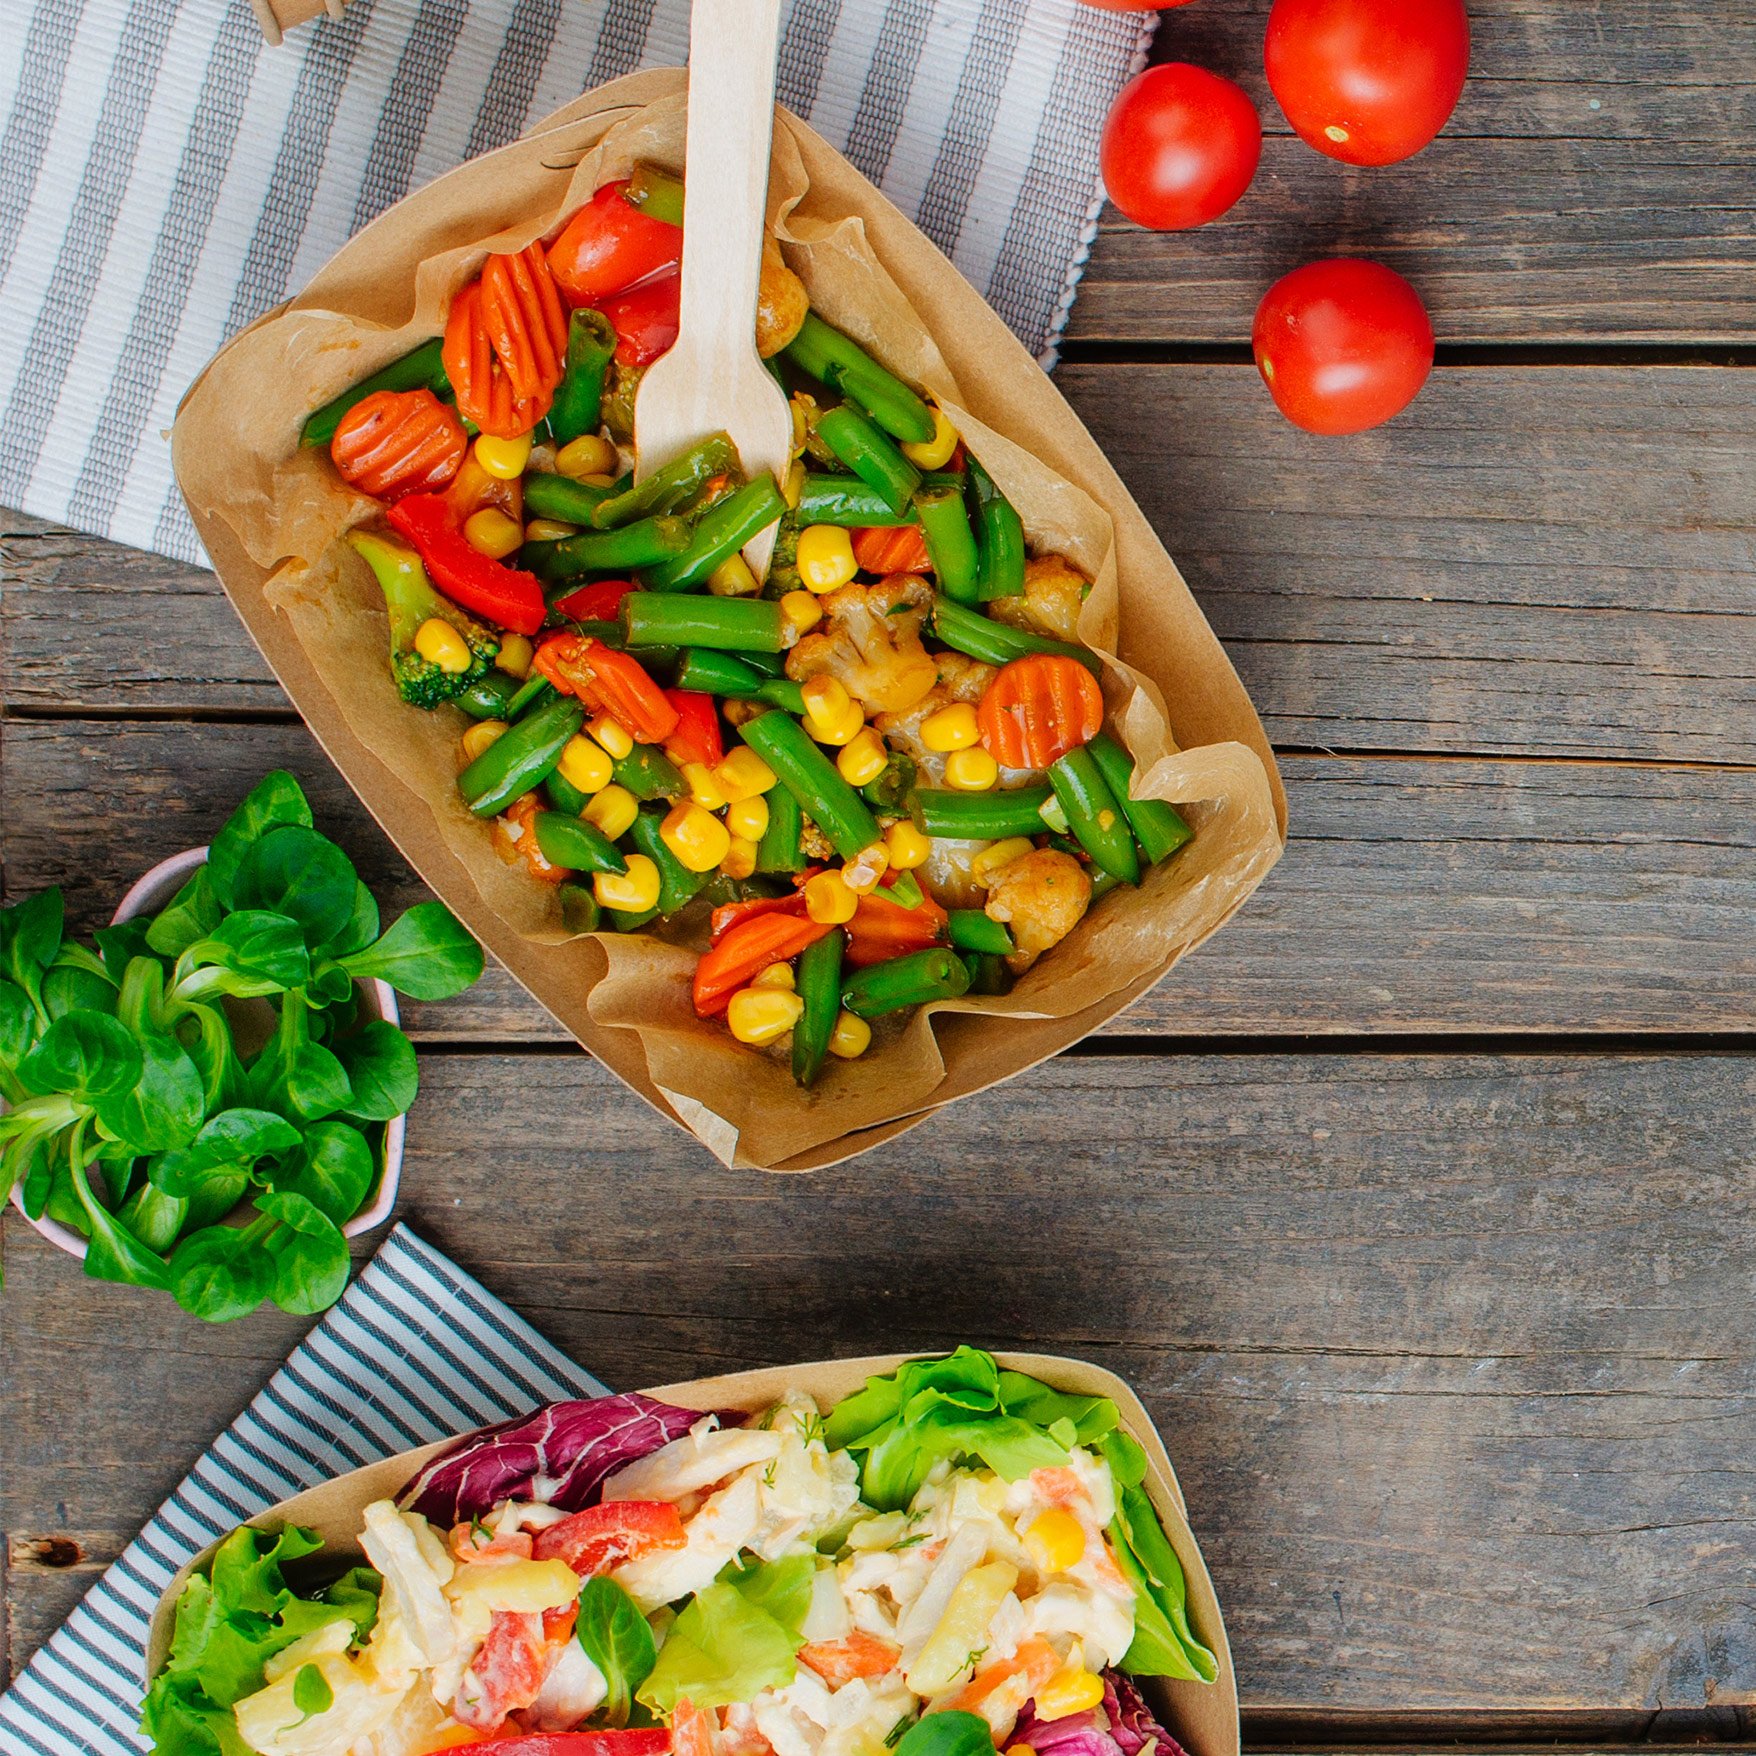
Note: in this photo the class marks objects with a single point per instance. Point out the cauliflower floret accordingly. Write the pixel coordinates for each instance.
(1042, 896)
(870, 642)
(1053, 591)
(956, 678)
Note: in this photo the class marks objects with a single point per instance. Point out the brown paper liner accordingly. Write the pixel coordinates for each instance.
(271, 516)
(1203, 1717)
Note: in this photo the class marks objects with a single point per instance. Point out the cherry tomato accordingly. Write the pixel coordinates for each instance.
(1367, 81)
(1180, 146)
(1342, 345)
(609, 246)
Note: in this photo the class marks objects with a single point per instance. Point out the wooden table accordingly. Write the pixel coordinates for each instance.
(1418, 1204)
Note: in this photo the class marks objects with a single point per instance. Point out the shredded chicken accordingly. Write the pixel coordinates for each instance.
(870, 642)
(1053, 591)
(1042, 896)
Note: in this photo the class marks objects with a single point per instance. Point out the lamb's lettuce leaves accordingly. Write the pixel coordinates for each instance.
(618, 1640)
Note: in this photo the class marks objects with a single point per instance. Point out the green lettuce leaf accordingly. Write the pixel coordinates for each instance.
(735, 1638)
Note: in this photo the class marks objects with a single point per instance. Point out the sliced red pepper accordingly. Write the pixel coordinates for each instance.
(595, 603)
(730, 914)
(882, 929)
(604, 1536)
(558, 1625)
(637, 1741)
(611, 682)
(506, 596)
(697, 737)
(609, 245)
(745, 952)
(645, 319)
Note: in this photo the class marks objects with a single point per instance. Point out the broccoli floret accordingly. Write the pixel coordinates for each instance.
(411, 600)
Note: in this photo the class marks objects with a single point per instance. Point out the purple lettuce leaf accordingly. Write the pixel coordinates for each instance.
(1123, 1726)
(561, 1453)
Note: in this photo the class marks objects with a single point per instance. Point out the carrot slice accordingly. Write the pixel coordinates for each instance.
(612, 682)
(1033, 1664)
(524, 319)
(1037, 709)
(694, 1730)
(397, 442)
(858, 1654)
(745, 952)
(478, 379)
(884, 550)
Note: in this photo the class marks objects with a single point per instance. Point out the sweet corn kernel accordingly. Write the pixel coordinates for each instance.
(548, 530)
(740, 860)
(845, 730)
(1055, 1540)
(972, 770)
(1069, 1691)
(862, 872)
(951, 728)
(504, 458)
(761, 1015)
(695, 836)
(589, 455)
(490, 532)
(634, 891)
(936, 452)
(825, 558)
(440, 644)
(1020, 1750)
(802, 610)
(851, 1037)
(906, 845)
(480, 736)
(584, 764)
(777, 975)
(613, 811)
(862, 761)
(732, 578)
(994, 859)
(742, 774)
(829, 899)
(515, 655)
(703, 788)
(825, 699)
(613, 735)
(793, 488)
(747, 819)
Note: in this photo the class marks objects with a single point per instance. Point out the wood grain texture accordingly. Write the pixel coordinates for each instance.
(1526, 562)
(1415, 895)
(1455, 1346)
(1595, 184)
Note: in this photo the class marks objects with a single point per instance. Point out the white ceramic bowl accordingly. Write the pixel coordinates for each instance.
(150, 893)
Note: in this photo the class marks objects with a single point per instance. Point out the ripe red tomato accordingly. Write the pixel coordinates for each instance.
(1342, 345)
(1367, 81)
(1180, 146)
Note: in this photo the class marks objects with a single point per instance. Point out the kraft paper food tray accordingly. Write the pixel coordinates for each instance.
(271, 517)
(1202, 1717)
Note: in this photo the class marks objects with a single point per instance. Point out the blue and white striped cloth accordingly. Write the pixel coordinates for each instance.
(416, 1350)
(165, 177)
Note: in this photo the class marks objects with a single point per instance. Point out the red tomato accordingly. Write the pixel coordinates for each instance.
(608, 246)
(1367, 81)
(645, 319)
(1180, 146)
(1342, 345)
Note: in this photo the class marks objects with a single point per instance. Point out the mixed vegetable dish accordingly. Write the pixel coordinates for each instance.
(953, 1561)
(876, 778)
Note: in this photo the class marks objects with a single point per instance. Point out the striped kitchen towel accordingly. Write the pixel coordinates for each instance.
(165, 177)
(416, 1350)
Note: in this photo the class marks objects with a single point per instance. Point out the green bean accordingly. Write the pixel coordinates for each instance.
(648, 773)
(779, 849)
(535, 689)
(1158, 827)
(951, 545)
(564, 795)
(870, 455)
(579, 397)
(719, 889)
(720, 532)
(1102, 883)
(829, 356)
(969, 929)
(547, 495)
(817, 978)
(846, 500)
(677, 884)
(905, 888)
(610, 633)
(422, 369)
(889, 792)
(646, 544)
(656, 193)
(720, 673)
(576, 844)
(766, 664)
(988, 973)
(630, 921)
(990, 816)
(937, 973)
(813, 780)
(671, 485)
(997, 643)
(621, 387)
(579, 909)
(661, 618)
(1094, 815)
(999, 540)
(489, 696)
(521, 758)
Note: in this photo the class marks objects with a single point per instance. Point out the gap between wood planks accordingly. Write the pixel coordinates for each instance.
(1077, 351)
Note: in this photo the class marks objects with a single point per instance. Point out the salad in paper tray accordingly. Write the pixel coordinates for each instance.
(955, 1559)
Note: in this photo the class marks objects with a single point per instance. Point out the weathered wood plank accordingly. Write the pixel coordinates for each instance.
(1415, 896)
(1455, 1345)
(1527, 562)
(1594, 185)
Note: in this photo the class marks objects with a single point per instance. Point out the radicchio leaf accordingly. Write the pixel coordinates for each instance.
(1123, 1726)
(561, 1454)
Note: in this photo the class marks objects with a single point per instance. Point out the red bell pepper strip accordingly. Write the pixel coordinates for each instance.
(595, 603)
(611, 682)
(506, 596)
(745, 952)
(645, 319)
(604, 1536)
(609, 245)
(731, 914)
(506, 1674)
(641, 1741)
(697, 737)
(882, 929)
